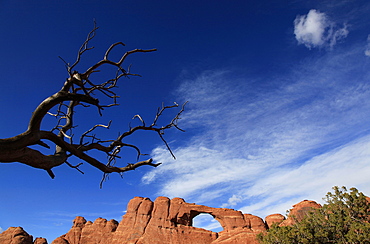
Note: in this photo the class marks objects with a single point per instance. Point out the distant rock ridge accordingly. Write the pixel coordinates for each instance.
(164, 221)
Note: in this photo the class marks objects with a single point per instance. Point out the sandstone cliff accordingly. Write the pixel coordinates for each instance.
(164, 221)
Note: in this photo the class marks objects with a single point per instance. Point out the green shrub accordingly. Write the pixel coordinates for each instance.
(343, 219)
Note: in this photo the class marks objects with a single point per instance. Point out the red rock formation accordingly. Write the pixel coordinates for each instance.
(274, 218)
(86, 232)
(255, 223)
(15, 235)
(299, 211)
(60, 240)
(40, 240)
(165, 221)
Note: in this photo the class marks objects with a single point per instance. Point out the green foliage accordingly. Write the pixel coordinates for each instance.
(343, 219)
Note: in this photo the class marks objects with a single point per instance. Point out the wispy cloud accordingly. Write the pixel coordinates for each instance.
(256, 148)
(1, 230)
(367, 49)
(63, 218)
(233, 201)
(347, 165)
(84, 214)
(316, 30)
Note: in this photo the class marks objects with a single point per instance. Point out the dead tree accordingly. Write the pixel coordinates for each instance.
(80, 90)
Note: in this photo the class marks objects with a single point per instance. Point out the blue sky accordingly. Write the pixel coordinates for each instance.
(278, 107)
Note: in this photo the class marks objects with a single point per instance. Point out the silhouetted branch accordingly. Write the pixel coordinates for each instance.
(79, 91)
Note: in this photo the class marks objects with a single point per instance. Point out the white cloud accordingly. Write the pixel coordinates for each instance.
(233, 201)
(367, 49)
(262, 149)
(1, 230)
(316, 30)
(309, 29)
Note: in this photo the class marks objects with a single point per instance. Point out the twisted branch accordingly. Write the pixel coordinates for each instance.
(79, 90)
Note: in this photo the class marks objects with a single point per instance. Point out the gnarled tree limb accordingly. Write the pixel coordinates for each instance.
(79, 90)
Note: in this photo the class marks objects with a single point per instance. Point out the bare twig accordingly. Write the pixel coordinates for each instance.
(75, 167)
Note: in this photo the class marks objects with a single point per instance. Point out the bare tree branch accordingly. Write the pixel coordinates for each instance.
(79, 91)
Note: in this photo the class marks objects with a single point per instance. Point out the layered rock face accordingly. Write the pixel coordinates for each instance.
(165, 221)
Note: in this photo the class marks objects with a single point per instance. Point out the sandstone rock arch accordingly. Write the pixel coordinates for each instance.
(183, 213)
(165, 221)
(158, 222)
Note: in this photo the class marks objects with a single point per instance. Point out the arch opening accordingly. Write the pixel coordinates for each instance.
(207, 221)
